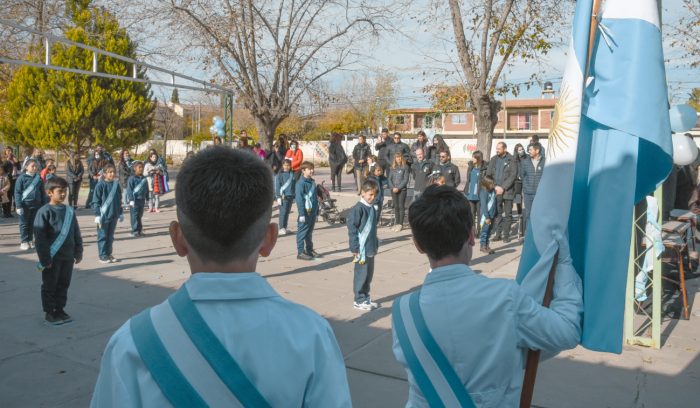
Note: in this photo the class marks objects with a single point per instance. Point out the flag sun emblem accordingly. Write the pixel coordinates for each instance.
(565, 123)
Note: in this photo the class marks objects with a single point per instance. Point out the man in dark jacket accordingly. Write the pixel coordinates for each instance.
(504, 171)
(531, 168)
(420, 143)
(381, 146)
(420, 169)
(359, 155)
(336, 159)
(398, 147)
(448, 170)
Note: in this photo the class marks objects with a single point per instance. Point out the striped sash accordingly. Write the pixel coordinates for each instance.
(431, 370)
(35, 181)
(364, 235)
(61, 238)
(186, 359)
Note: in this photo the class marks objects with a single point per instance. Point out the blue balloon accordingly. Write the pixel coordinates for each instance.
(213, 129)
(221, 133)
(219, 124)
(683, 117)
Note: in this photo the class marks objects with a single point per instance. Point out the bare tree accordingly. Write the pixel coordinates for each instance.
(272, 52)
(492, 35)
(686, 32)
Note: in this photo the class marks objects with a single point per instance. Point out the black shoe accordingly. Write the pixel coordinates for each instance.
(61, 314)
(305, 257)
(313, 254)
(497, 238)
(506, 240)
(53, 319)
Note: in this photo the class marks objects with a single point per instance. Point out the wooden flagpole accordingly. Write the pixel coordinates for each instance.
(533, 356)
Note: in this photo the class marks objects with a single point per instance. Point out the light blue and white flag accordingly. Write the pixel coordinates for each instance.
(609, 146)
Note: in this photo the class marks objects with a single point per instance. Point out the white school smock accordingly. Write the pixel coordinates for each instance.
(287, 351)
(484, 327)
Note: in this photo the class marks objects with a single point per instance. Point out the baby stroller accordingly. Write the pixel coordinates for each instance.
(326, 206)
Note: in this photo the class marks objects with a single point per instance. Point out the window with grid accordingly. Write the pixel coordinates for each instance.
(459, 118)
(524, 121)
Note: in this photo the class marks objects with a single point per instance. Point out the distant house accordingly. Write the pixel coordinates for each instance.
(176, 121)
(525, 117)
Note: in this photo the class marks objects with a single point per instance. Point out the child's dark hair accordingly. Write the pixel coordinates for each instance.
(370, 185)
(307, 165)
(55, 182)
(287, 161)
(108, 166)
(441, 221)
(51, 167)
(378, 166)
(488, 183)
(224, 210)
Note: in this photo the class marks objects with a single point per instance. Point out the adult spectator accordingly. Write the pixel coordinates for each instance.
(503, 169)
(97, 162)
(519, 155)
(438, 146)
(274, 158)
(420, 143)
(295, 155)
(420, 170)
(74, 177)
(399, 147)
(448, 170)
(360, 154)
(259, 151)
(531, 168)
(382, 146)
(217, 141)
(336, 159)
(536, 139)
(283, 146)
(38, 155)
(476, 170)
(12, 168)
(124, 171)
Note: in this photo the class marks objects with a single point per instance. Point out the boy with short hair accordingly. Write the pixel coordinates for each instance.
(362, 233)
(307, 205)
(136, 194)
(50, 172)
(225, 337)
(29, 197)
(107, 206)
(59, 246)
(284, 192)
(450, 305)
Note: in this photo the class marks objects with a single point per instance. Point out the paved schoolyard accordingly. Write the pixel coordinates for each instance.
(58, 366)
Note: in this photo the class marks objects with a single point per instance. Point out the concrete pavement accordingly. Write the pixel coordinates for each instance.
(58, 366)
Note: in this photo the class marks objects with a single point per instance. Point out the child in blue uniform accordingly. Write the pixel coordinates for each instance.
(106, 204)
(378, 177)
(136, 194)
(29, 197)
(284, 192)
(487, 204)
(59, 246)
(225, 338)
(476, 328)
(362, 234)
(307, 205)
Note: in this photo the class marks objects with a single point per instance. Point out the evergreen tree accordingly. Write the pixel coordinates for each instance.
(175, 98)
(68, 111)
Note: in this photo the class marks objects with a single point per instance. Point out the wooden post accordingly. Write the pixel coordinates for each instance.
(533, 356)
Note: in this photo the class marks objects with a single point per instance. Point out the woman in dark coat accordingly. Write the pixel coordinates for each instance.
(74, 177)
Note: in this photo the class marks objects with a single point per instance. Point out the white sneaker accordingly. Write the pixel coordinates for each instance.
(283, 231)
(361, 306)
(31, 244)
(371, 305)
(24, 246)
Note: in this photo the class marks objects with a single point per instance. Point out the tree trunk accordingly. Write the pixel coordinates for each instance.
(266, 130)
(486, 109)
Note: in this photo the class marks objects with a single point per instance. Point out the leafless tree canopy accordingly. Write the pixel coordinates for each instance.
(272, 52)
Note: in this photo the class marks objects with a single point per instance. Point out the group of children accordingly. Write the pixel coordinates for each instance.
(226, 337)
(50, 226)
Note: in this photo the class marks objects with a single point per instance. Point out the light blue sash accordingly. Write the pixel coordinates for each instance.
(431, 370)
(286, 184)
(61, 238)
(364, 235)
(308, 197)
(167, 374)
(140, 186)
(108, 201)
(32, 187)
